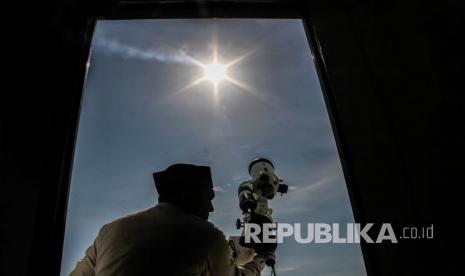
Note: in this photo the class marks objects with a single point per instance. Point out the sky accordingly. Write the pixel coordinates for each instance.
(144, 109)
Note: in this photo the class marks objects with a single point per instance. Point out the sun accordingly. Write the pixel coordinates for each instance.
(215, 72)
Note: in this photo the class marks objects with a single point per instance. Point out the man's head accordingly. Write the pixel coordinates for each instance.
(188, 186)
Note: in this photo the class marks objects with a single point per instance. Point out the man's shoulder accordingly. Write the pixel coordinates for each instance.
(164, 214)
(137, 216)
(217, 231)
(123, 223)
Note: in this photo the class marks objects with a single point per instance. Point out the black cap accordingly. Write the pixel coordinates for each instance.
(182, 176)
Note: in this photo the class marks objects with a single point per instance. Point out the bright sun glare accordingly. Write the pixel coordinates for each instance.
(215, 72)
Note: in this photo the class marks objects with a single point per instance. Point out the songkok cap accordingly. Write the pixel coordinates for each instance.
(182, 176)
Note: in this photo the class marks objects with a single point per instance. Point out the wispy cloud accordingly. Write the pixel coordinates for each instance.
(160, 54)
(315, 188)
(288, 268)
(218, 189)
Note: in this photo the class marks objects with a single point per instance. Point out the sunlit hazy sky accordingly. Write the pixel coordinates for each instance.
(138, 117)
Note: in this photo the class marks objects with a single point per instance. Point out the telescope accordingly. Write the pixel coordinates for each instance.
(254, 195)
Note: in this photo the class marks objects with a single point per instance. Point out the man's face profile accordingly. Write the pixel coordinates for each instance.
(202, 200)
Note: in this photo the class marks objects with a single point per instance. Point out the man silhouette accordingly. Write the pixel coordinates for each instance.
(172, 238)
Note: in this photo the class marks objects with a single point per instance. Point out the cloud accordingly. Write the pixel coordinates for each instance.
(167, 55)
(287, 268)
(317, 186)
(218, 189)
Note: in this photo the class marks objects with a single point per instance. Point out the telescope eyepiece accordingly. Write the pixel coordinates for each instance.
(247, 201)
